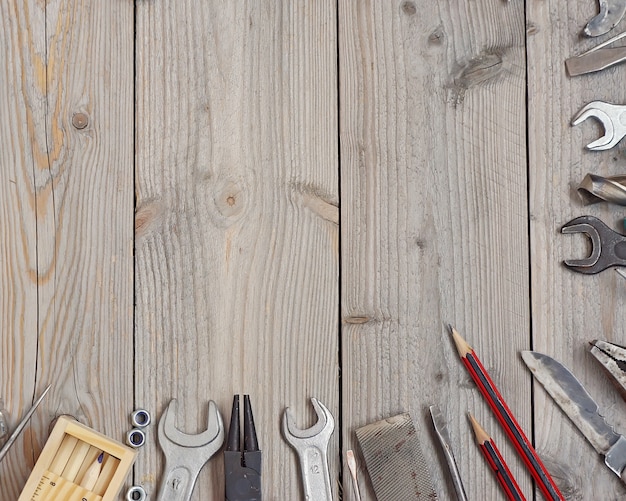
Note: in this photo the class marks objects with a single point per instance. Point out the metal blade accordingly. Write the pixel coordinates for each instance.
(573, 399)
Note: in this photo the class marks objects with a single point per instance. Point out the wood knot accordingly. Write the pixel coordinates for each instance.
(479, 70)
(409, 8)
(436, 37)
(531, 29)
(230, 199)
(80, 120)
(145, 216)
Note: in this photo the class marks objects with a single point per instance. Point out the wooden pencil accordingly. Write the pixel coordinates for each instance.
(93, 472)
(63, 454)
(496, 462)
(506, 419)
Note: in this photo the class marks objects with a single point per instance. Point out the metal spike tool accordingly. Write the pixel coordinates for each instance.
(394, 460)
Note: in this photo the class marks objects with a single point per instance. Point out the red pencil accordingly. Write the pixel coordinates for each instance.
(506, 419)
(497, 463)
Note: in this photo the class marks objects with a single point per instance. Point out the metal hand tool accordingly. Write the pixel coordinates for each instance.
(312, 448)
(22, 425)
(582, 410)
(185, 455)
(613, 119)
(611, 13)
(242, 469)
(598, 58)
(608, 248)
(441, 429)
(594, 189)
(613, 360)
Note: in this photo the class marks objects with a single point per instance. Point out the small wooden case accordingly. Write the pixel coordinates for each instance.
(69, 467)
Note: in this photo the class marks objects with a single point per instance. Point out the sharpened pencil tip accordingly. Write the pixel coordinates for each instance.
(480, 434)
(461, 345)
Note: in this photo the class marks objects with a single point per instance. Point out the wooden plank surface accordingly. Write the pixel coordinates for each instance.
(66, 229)
(451, 178)
(571, 309)
(434, 219)
(237, 220)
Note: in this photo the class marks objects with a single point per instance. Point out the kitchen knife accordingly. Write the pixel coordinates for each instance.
(574, 400)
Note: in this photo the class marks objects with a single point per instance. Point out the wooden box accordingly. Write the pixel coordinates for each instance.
(78, 464)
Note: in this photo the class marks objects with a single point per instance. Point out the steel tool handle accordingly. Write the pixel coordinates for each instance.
(315, 475)
(177, 484)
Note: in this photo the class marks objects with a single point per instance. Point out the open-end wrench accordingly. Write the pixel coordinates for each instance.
(312, 448)
(185, 455)
(608, 248)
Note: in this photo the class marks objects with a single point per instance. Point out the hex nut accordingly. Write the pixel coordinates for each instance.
(135, 438)
(140, 418)
(136, 493)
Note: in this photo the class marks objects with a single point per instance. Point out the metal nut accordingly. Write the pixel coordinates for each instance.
(136, 493)
(135, 438)
(140, 418)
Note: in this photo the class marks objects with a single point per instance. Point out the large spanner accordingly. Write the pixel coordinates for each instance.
(312, 448)
(185, 455)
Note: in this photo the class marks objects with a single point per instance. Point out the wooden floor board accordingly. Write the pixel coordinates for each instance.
(434, 226)
(66, 225)
(237, 252)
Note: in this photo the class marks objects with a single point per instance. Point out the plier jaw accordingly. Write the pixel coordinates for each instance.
(612, 357)
(242, 468)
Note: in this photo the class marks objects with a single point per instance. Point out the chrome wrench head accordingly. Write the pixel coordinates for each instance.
(608, 248)
(185, 455)
(611, 12)
(610, 116)
(323, 428)
(312, 448)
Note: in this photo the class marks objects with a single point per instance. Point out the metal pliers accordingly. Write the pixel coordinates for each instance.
(608, 248)
(613, 119)
(613, 360)
(242, 469)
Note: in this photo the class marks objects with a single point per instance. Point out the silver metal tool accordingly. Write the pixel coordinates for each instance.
(4, 422)
(598, 58)
(612, 357)
(312, 448)
(613, 119)
(594, 189)
(582, 410)
(611, 13)
(394, 460)
(608, 248)
(441, 429)
(185, 455)
(22, 424)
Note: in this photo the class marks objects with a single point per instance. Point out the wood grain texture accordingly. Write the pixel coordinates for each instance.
(66, 225)
(434, 219)
(236, 221)
(570, 309)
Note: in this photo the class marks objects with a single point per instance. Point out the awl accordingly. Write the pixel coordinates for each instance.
(573, 399)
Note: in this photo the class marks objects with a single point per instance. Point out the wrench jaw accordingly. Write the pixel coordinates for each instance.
(214, 433)
(609, 139)
(588, 265)
(324, 426)
(611, 12)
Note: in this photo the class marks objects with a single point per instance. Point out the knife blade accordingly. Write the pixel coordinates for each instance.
(577, 404)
